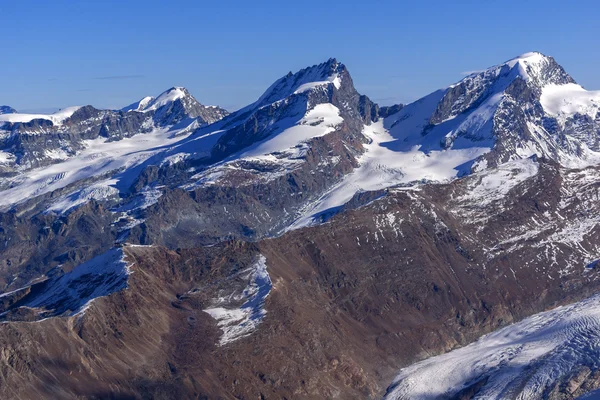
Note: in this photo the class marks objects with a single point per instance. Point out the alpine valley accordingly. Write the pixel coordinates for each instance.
(312, 244)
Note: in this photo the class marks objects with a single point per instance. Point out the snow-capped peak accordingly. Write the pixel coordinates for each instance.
(329, 72)
(167, 97)
(531, 58)
(533, 67)
(150, 103)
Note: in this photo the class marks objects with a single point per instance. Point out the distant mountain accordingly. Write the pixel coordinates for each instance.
(249, 174)
(7, 110)
(36, 140)
(176, 104)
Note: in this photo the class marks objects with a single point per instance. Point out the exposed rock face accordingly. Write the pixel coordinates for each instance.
(252, 197)
(40, 141)
(32, 246)
(534, 69)
(506, 108)
(7, 110)
(407, 276)
(387, 278)
(291, 97)
(386, 111)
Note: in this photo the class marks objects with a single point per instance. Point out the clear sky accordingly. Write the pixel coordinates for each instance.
(227, 52)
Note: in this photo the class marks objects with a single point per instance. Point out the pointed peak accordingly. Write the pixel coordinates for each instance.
(530, 62)
(539, 69)
(176, 89)
(328, 72)
(150, 103)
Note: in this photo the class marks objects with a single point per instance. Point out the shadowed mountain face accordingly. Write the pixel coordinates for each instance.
(7, 110)
(308, 245)
(247, 175)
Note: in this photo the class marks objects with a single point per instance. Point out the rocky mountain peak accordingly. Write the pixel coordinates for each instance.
(329, 72)
(169, 96)
(539, 69)
(7, 110)
(535, 69)
(174, 105)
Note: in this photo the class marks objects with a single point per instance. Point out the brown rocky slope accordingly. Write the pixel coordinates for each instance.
(413, 274)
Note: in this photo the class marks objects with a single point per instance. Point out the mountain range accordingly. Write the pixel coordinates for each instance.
(308, 245)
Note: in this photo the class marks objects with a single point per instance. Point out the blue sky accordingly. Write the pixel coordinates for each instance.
(111, 53)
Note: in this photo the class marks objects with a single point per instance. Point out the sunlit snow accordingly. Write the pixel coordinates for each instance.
(527, 358)
(57, 118)
(239, 322)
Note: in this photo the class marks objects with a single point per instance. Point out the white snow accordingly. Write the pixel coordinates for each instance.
(237, 323)
(6, 158)
(319, 121)
(335, 79)
(570, 99)
(139, 105)
(383, 166)
(72, 293)
(494, 184)
(150, 103)
(98, 191)
(299, 82)
(165, 98)
(529, 64)
(101, 157)
(57, 118)
(523, 359)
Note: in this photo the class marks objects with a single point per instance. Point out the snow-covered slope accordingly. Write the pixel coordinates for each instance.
(72, 292)
(165, 98)
(381, 167)
(138, 105)
(175, 105)
(501, 108)
(56, 118)
(521, 361)
(526, 106)
(99, 157)
(569, 99)
(238, 322)
(297, 108)
(326, 73)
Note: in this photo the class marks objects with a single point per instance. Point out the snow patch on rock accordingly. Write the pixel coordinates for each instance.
(237, 323)
(72, 293)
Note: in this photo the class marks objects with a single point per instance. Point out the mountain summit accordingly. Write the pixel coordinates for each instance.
(506, 109)
(7, 110)
(174, 105)
(306, 245)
